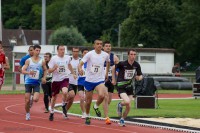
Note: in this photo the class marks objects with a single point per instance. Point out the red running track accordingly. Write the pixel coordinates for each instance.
(12, 119)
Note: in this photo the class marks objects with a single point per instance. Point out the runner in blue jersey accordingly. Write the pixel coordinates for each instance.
(35, 71)
(23, 59)
(81, 80)
(108, 83)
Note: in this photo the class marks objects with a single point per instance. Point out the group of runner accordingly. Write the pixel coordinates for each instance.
(96, 70)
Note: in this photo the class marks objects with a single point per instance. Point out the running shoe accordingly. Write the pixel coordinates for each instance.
(46, 111)
(51, 116)
(87, 120)
(122, 123)
(28, 116)
(98, 113)
(119, 109)
(64, 110)
(31, 101)
(83, 116)
(108, 122)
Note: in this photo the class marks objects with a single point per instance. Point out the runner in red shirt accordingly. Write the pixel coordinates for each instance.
(2, 64)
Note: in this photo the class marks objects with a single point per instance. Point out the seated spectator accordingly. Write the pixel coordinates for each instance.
(176, 70)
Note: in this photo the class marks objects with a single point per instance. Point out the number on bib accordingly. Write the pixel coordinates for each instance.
(61, 69)
(96, 69)
(35, 75)
(129, 74)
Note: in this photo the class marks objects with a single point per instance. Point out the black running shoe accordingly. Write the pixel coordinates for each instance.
(87, 120)
(98, 113)
(51, 116)
(64, 110)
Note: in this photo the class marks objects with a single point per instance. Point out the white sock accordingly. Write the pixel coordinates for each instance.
(52, 110)
(95, 106)
(63, 103)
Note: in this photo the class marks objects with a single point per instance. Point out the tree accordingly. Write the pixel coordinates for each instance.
(189, 32)
(67, 36)
(152, 23)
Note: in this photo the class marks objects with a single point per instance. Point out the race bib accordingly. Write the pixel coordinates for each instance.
(109, 71)
(61, 69)
(49, 75)
(96, 69)
(129, 74)
(35, 75)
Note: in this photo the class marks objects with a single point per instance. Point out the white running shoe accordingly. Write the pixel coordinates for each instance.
(28, 116)
(83, 116)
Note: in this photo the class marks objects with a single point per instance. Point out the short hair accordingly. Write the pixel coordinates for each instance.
(49, 54)
(97, 40)
(36, 46)
(106, 42)
(60, 45)
(84, 49)
(131, 50)
(75, 48)
(31, 47)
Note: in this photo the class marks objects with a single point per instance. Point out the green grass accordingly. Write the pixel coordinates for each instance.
(6, 92)
(181, 108)
(174, 91)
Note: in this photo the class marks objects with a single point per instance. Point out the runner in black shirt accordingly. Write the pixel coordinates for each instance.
(128, 70)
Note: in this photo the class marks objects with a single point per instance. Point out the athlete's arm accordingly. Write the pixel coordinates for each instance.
(52, 66)
(71, 70)
(44, 72)
(107, 68)
(116, 59)
(24, 68)
(139, 73)
(80, 70)
(7, 65)
(113, 75)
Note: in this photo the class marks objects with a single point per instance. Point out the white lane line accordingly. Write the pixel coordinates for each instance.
(20, 123)
(81, 124)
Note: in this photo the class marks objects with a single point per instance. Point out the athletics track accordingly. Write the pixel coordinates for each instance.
(12, 120)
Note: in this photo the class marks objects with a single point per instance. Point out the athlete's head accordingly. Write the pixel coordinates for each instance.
(61, 50)
(98, 44)
(132, 54)
(107, 46)
(30, 50)
(47, 57)
(37, 49)
(75, 52)
(84, 51)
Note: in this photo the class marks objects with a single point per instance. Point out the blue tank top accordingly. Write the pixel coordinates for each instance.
(112, 62)
(34, 79)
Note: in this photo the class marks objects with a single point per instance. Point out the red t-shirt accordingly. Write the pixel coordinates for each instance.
(2, 61)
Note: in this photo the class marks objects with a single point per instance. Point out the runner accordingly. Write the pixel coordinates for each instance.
(60, 67)
(2, 65)
(47, 87)
(72, 82)
(33, 70)
(108, 83)
(21, 64)
(95, 78)
(23, 59)
(81, 80)
(128, 70)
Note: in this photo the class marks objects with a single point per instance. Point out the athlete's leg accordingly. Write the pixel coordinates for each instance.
(126, 102)
(88, 101)
(82, 100)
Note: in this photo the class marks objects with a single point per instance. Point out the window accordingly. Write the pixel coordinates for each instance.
(147, 58)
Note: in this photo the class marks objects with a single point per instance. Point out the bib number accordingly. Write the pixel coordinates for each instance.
(49, 75)
(109, 71)
(96, 69)
(35, 75)
(61, 69)
(129, 74)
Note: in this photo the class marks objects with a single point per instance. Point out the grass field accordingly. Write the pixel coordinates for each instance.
(182, 108)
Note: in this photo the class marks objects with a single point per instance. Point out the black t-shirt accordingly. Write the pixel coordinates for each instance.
(126, 71)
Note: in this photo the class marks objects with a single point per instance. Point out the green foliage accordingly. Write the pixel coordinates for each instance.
(67, 36)
(152, 23)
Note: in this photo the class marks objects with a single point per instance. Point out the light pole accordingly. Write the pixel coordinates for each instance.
(43, 34)
(119, 36)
